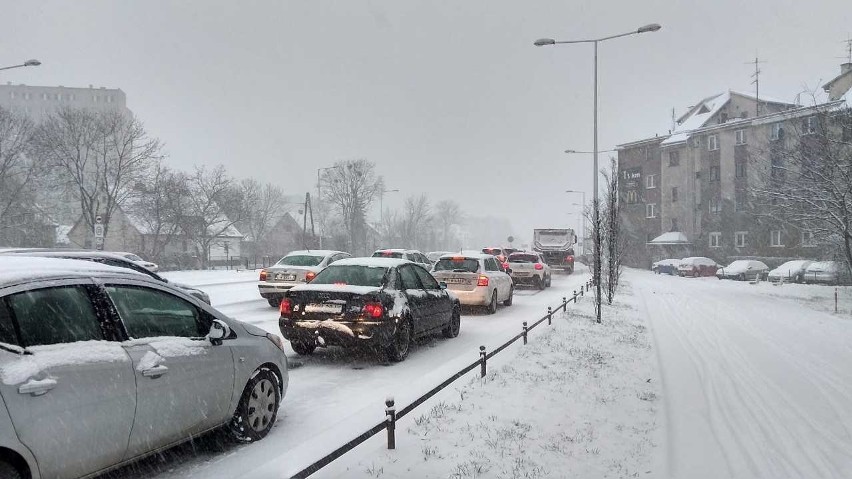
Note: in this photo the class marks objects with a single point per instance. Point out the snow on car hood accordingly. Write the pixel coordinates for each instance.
(45, 357)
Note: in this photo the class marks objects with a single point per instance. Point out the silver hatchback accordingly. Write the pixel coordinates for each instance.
(100, 366)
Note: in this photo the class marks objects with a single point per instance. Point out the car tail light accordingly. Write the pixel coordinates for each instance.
(263, 275)
(569, 258)
(309, 276)
(373, 310)
(286, 307)
(539, 266)
(483, 280)
(505, 265)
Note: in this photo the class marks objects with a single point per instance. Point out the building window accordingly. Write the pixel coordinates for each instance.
(777, 132)
(650, 181)
(649, 237)
(71, 97)
(808, 239)
(651, 210)
(674, 195)
(94, 98)
(696, 141)
(44, 96)
(740, 168)
(777, 167)
(632, 197)
(109, 99)
(741, 137)
(715, 205)
(674, 158)
(714, 173)
(739, 200)
(674, 224)
(712, 143)
(809, 125)
(775, 239)
(12, 95)
(715, 239)
(740, 238)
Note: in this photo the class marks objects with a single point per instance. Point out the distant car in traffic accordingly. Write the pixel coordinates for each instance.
(408, 254)
(743, 270)
(665, 266)
(153, 267)
(107, 258)
(298, 267)
(476, 279)
(790, 272)
(696, 266)
(101, 366)
(434, 256)
(825, 272)
(529, 268)
(384, 303)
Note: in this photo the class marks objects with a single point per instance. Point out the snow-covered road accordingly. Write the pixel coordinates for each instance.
(754, 384)
(335, 395)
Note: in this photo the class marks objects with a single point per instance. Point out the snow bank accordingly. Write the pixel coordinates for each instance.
(43, 358)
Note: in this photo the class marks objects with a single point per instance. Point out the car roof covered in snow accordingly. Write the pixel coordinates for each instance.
(17, 269)
(470, 255)
(314, 252)
(373, 262)
(67, 253)
(396, 250)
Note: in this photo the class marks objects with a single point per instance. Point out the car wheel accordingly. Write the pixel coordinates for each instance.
(8, 471)
(508, 301)
(258, 407)
(274, 302)
(741, 277)
(453, 327)
(492, 306)
(303, 348)
(549, 281)
(398, 349)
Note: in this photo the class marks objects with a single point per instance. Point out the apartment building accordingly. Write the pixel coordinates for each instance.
(38, 102)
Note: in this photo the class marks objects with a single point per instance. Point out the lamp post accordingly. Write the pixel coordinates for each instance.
(319, 200)
(653, 27)
(381, 203)
(28, 63)
(584, 215)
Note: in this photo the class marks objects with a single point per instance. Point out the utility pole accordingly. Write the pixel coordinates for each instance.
(756, 83)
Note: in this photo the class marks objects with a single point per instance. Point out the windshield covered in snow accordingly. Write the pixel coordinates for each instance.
(458, 265)
(353, 275)
(300, 260)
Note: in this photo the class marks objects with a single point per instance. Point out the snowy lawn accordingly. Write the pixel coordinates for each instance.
(580, 400)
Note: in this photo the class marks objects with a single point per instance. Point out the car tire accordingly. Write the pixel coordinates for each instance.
(511, 297)
(303, 348)
(549, 281)
(742, 277)
(258, 407)
(539, 283)
(454, 326)
(8, 471)
(274, 302)
(397, 351)
(492, 306)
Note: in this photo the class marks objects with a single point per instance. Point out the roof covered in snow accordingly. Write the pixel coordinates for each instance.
(697, 116)
(672, 237)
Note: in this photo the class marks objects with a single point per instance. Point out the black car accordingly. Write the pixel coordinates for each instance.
(382, 303)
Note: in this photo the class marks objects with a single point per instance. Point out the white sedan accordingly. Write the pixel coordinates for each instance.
(476, 279)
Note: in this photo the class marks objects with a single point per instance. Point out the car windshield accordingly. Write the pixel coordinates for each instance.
(300, 260)
(355, 275)
(387, 254)
(458, 265)
(523, 258)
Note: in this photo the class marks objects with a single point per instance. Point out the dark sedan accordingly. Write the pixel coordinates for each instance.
(382, 303)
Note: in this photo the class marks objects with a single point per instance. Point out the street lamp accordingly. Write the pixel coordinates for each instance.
(319, 199)
(381, 204)
(653, 27)
(584, 215)
(28, 63)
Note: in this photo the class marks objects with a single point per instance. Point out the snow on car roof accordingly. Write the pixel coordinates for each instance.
(373, 262)
(313, 252)
(396, 250)
(19, 268)
(470, 255)
(346, 288)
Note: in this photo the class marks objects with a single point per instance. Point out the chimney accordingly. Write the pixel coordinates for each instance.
(845, 68)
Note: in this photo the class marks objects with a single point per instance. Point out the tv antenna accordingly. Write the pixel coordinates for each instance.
(756, 82)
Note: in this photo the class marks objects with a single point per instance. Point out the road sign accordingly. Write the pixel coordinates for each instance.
(99, 231)
(511, 239)
(98, 220)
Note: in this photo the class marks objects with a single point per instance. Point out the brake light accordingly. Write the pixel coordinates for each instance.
(458, 259)
(539, 266)
(569, 258)
(483, 280)
(285, 307)
(309, 276)
(263, 275)
(505, 265)
(373, 310)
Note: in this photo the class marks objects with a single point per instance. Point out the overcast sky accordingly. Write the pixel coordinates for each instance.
(448, 98)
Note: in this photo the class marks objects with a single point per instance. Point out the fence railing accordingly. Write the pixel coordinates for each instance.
(391, 415)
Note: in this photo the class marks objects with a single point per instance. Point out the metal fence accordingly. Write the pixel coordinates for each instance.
(391, 415)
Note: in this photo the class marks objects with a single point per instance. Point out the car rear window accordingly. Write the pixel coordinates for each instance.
(458, 265)
(523, 258)
(492, 251)
(387, 254)
(355, 275)
(300, 260)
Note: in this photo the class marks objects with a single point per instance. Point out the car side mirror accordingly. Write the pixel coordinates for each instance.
(443, 285)
(218, 331)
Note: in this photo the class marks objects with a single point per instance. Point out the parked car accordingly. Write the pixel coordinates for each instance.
(743, 270)
(100, 366)
(153, 267)
(434, 256)
(789, 272)
(384, 303)
(696, 266)
(826, 272)
(298, 267)
(476, 279)
(665, 266)
(110, 259)
(409, 254)
(529, 268)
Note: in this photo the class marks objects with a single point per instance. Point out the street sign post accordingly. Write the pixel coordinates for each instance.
(99, 233)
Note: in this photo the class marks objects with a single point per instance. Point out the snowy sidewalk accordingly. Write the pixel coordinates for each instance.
(755, 385)
(578, 401)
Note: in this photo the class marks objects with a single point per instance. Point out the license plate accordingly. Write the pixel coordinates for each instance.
(521, 273)
(455, 281)
(285, 277)
(330, 308)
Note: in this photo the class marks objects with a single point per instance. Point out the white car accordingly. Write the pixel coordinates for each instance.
(790, 272)
(529, 268)
(153, 267)
(476, 279)
(298, 267)
(410, 254)
(743, 270)
(696, 266)
(827, 272)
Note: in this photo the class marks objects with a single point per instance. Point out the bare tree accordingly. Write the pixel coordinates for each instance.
(351, 187)
(17, 176)
(415, 220)
(614, 242)
(447, 213)
(263, 204)
(158, 210)
(101, 156)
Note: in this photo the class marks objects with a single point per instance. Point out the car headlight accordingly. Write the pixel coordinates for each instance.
(276, 340)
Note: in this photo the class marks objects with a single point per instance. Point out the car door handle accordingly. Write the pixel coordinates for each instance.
(155, 371)
(37, 387)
